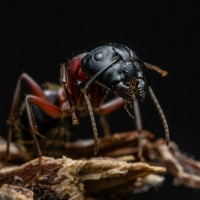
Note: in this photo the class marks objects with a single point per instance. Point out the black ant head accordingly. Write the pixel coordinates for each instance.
(126, 74)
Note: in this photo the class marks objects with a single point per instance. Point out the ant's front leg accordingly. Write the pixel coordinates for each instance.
(35, 89)
(139, 128)
(66, 79)
(114, 104)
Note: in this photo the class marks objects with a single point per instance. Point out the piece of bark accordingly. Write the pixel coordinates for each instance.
(65, 178)
(115, 145)
(13, 192)
(185, 170)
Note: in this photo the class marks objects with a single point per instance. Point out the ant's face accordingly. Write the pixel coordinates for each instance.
(126, 77)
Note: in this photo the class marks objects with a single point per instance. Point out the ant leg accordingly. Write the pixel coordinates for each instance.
(138, 124)
(107, 108)
(110, 106)
(156, 69)
(65, 76)
(116, 103)
(49, 108)
(35, 89)
(105, 125)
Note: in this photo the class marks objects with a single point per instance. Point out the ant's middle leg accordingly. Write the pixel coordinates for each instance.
(116, 103)
(107, 108)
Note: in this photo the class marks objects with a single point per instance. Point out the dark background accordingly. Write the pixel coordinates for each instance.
(37, 37)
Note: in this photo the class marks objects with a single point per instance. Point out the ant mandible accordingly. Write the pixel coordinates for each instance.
(85, 80)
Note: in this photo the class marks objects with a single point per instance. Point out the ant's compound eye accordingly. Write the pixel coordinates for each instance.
(98, 56)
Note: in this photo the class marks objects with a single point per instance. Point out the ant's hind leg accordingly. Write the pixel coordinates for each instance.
(35, 89)
(46, 106)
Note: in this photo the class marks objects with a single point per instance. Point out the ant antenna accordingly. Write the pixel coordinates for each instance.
(161, 113)
(156, 69)
(94, 127)
(84, 90)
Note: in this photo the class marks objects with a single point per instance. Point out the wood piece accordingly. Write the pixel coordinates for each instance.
(118, 144)
(13, 192)
(184, 169)
(65, 178)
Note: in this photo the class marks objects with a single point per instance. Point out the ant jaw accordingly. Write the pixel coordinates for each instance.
(141, 89)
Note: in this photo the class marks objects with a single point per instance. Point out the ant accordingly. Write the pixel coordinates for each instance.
(85, 81)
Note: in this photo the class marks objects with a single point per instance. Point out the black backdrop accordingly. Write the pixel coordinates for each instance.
(37, 37)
